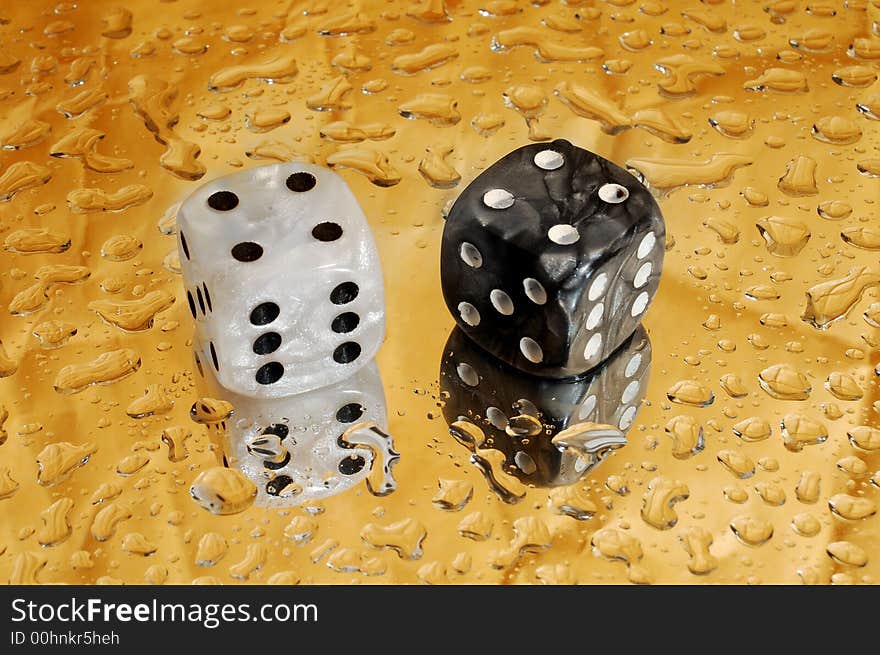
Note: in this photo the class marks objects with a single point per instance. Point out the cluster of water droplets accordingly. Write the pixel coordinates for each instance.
(754, 458)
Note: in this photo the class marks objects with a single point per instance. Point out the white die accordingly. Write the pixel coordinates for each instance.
(283, 278)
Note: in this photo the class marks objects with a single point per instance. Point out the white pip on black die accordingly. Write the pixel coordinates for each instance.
(314, 444)
(550, 258)
(283, 279)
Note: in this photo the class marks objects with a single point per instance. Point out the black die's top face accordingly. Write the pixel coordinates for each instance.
(523, 242)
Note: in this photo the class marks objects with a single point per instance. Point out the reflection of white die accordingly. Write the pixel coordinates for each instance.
(292, 449)
(283, 278)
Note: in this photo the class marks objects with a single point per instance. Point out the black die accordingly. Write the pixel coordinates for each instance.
(520, 414)
(550, 258)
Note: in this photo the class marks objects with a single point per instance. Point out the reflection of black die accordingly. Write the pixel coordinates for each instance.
(550, 258)
(520, 414)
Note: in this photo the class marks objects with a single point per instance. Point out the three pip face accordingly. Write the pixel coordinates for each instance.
(549, 259)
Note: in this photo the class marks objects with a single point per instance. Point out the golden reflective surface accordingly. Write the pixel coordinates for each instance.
(754, 122)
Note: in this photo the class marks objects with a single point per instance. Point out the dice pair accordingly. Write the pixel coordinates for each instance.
(549, 259)
(283, 280)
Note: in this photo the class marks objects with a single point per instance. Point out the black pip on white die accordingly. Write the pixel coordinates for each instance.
(550, 258)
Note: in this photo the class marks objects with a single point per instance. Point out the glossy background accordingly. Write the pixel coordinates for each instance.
(734, 112)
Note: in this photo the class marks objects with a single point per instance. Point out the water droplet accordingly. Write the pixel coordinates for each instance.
(681, 73)
(733, 385)
(436, 170)
(58, 461)
(88, 200)
(696, 542)
(780, 80)
(476, 526)
(738, 463)
(830, 301)
(751, 531)
(846, 552)
(573, 501)
(428, 58)
(20, 176)
(864, 437)
(799, 431)
(82, 143)
(154, 401)
(753, 428)
(806, 524)
(404, 537)
(266, 119)
(690, 392)
(658, 502)
(687, 436)
(770, 493)
(530, 536)
(669, 174)
(253, 560)
(452, 495)
(438, 109)
(614, 544)
(152, 99)
(588, 104)
(800, 177)
(105, 369)
(107, 519)
(344, 132)
(545, 48)
(55, 525)
(836, 129)
(852, 507)
(784, 382)
(373, 164)
(223, 491)
(843, 386)
(137, 544)
(785, 237)
(277, 70)
(347, 24)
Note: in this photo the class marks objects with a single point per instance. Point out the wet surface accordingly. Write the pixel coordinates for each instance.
(753, 456)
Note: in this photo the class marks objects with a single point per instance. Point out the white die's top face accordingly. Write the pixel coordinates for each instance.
(262, 216)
